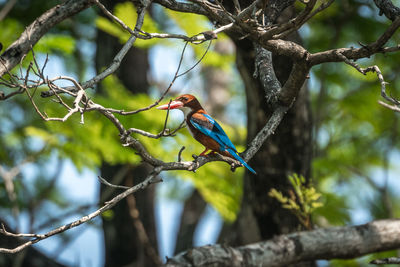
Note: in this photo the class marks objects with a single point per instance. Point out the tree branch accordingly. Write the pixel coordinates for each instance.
(356, 53)
(152, 178)
(265, 132)
(391, 260)
(386, 7)
(336, 242)
(264, 70)
(115, 63)
(17, 50)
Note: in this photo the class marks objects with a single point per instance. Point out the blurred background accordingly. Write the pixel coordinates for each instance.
(48, 171)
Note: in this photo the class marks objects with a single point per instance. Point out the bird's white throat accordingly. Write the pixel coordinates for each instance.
(185, 111)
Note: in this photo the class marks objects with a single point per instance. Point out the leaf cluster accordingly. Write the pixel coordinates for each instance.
(302, 200)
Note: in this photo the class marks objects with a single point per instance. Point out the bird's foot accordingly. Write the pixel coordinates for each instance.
(233, 167)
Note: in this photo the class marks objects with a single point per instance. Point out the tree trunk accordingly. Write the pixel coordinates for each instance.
(124, 244)
(288, 151)
(191, 214)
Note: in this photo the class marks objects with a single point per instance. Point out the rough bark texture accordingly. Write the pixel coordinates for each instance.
(386, 7)
(286, 152)
(284, 250)
(122, 243)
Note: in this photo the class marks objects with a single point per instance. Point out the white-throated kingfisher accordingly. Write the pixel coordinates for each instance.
(204, 128)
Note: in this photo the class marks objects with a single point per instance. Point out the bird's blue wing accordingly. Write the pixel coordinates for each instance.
(211, 128)
(208, 126)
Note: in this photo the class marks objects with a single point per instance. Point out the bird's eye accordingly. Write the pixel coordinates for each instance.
(184, 98)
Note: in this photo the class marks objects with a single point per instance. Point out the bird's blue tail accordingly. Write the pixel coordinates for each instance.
(236, 156)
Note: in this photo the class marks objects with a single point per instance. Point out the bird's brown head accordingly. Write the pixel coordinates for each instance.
(181, 102)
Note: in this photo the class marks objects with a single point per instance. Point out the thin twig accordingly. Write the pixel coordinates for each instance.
(300, 22)
(176, 76)
(180, 153)
(104, 181)
(382, 81)
(392, 107)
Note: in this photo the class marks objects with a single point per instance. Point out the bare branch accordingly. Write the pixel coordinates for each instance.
(115, 63)
(176, 76)
(182, 6)
(152, 178)
(378, 72)
(336, 242)
(302, 18)
(17, 50)
(104, 181)
(145, 35)
(392, 107)
(391, 260)
(356, 53)
(386, 7)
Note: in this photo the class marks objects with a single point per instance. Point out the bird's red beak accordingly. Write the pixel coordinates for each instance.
(174, 104)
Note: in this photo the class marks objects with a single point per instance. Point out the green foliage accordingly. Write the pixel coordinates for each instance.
(127, 13)
(10, 31)
(108, 215)
(353, 133)
(56, 43)
(303, 200)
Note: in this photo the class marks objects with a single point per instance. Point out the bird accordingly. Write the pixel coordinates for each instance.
(204, 128)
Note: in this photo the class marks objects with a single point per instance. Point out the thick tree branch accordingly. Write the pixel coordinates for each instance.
(386, 7)
(391, 260)
(296, 79)
(182, 7)
(198, 38)
(293, 24)
(356, 53)
(264, 70)
(336, 242)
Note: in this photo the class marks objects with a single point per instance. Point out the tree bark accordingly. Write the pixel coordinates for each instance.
(336, 242)
(286, 152)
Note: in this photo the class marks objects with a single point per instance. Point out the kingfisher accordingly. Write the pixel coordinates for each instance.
(204, 128)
